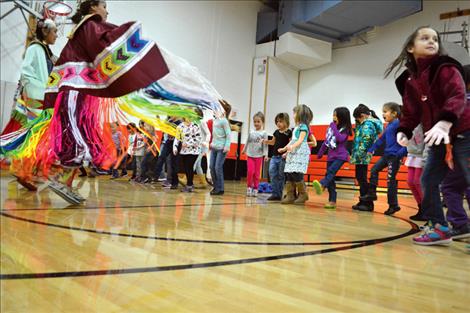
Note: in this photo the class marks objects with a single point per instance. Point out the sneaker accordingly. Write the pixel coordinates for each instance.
(274, 198)
(439, 235)
(188, 189)
(166, 184)
(460, 232)
(249, 192)
(366, 207)
(418, 217)
(392, 210)
(174, 187)
(330, 206)
(254, 193)
(217, 193)
(318, 187)
(357, 205)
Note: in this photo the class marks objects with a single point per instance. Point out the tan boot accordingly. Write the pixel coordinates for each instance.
(182, 178)
(201, 181)
(302, 193)
(289, 197)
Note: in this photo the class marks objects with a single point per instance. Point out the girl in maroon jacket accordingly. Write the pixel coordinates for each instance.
(433, 92)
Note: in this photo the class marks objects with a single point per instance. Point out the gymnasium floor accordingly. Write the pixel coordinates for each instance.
(135, 248)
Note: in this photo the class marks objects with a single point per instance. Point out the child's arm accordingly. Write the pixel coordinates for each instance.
(270, 142)
(377, 144)
(312, 141)
(340, 137)
(228, 131)
(295, 145)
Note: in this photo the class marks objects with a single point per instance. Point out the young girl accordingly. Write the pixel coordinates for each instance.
(281, 138)
(256, 149)
(191, 140)
(336, 140)
(391, 158)
(367, 130)
(415, 161)
(298, 156)
(35, 69)
(433, 94)
(220, 146)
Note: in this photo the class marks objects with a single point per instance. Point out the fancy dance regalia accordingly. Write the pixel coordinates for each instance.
(108, 73)
(29, 99)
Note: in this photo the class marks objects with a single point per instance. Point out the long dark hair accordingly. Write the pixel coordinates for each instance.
(363, 109)
(344, 119)
(406, 58)
(84, 9)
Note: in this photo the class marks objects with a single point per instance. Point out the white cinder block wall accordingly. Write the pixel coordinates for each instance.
(218, 37)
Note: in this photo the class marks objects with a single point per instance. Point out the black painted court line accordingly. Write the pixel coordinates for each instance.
(254, 243)
(202, 265)
(77, 207)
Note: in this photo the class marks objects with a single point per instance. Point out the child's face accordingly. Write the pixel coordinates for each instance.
(388, 115)
(335, 118)
(258, 123)
(281, 124)
(425, 45)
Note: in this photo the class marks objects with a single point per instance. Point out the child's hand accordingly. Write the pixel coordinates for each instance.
(184, 145)
(226, 150)
(289, 148)
(281, 150)
(175, 152)
(370, 153)
(284, 155)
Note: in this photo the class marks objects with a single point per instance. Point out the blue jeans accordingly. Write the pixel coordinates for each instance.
(332, 167)
(393, 164)
(436, 170)
(276, 174)
(217, 169)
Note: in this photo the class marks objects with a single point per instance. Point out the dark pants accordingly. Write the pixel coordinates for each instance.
(332, 167)
(436, 170)
(393, 165)
(361, 177)
(188, 164)
(149, 165)
(121, 165)
(453, 189)
(166, 151)
(276, 174)
(294, 177)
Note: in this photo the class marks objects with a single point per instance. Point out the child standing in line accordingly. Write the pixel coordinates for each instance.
(391, 160)
(220, 146)
(191, 140)
(415, 162)
(433, 92)
(336, 139)
(281, 138)
(367, 130)
(256, 149)
(298, 156)
(139, 151)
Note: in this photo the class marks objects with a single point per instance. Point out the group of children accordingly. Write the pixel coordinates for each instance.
(434, 124)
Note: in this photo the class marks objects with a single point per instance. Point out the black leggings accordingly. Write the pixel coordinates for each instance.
(188, 163)
(294, 177)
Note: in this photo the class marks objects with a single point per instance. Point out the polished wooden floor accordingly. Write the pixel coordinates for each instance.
(135, 248)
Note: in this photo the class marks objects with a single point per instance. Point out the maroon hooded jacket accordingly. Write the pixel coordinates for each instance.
(435, 92)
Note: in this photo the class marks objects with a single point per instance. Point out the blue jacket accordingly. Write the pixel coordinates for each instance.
(390, 138)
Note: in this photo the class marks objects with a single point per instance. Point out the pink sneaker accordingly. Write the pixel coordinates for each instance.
(439, 235)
